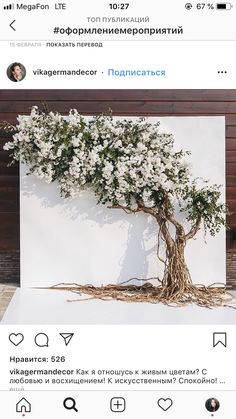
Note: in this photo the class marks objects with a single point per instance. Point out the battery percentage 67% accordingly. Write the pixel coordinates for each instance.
(209, 6)
(200, 6)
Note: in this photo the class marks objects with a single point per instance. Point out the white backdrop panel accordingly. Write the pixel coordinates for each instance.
(76, 240)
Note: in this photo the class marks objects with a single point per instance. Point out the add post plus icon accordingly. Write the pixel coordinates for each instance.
(117, 404)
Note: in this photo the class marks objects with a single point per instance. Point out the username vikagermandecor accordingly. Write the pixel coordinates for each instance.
(134, 167)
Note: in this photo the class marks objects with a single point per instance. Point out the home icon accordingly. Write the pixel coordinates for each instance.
(23, 406)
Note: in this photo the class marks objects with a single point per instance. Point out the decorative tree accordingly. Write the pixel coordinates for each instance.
(129, 165)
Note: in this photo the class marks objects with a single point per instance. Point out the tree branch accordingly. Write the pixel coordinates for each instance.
(194, 229)
(128, 210)
(179, 228)
(159, 216)
(170, 217)
(161, 219)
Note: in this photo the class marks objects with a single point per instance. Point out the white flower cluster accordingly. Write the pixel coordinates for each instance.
(122, 160)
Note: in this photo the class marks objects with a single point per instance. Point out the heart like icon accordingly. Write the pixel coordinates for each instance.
(16, 338)
(165, 404)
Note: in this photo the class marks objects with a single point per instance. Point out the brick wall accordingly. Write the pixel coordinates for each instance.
(10, 267)
(231, 267)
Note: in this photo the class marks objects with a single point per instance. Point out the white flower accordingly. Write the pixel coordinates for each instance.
(107, 170)
(76, 141)
(105, 143)
(93, 157)
(8, 146)
(118, 144)
(141, 147)
(140, 167)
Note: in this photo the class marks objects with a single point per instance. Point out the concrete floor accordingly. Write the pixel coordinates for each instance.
(6, 293)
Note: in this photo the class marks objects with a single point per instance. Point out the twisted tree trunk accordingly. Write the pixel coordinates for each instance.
(176, 286)
(176, 276)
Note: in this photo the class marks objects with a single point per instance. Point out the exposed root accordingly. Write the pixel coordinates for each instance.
(215, 295)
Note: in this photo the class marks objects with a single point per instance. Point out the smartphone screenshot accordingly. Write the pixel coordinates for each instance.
(117, 209)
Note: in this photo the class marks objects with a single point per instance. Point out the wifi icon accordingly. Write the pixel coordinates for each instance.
(9, 7)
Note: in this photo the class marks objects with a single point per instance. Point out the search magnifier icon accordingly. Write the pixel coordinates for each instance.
(70, 404)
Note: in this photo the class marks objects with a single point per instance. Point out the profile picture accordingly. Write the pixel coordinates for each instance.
(16, 72)
(212, 405)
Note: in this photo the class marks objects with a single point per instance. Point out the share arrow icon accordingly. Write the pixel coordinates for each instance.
(67, 337)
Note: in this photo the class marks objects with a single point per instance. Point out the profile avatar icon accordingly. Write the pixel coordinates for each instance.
(16, 72)
(212, 405)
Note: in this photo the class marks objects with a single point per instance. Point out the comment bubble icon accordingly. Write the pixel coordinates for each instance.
(41, 340)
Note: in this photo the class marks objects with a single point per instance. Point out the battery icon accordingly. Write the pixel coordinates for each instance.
(224, 6)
